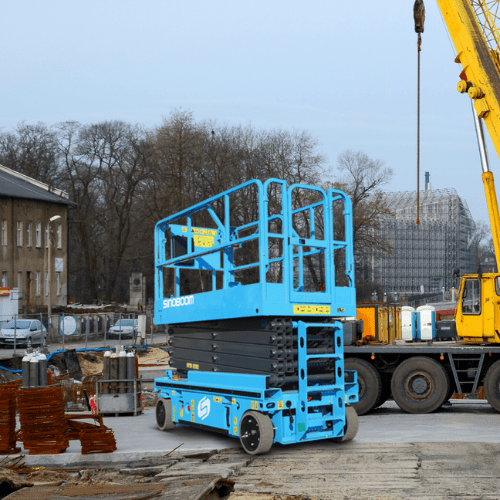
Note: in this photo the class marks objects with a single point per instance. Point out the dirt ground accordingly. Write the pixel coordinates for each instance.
(349, 471)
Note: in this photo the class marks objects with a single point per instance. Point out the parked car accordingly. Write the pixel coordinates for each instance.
(26, 332)
(127, 327)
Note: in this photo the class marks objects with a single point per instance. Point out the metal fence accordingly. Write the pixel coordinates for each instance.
(89, 330)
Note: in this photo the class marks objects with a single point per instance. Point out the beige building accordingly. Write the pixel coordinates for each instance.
(26, 208)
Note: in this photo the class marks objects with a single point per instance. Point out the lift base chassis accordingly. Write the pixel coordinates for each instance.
(218, 401)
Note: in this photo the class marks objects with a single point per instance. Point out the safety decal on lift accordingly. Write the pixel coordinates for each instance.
(217, 400)
(311, 309)
(254, 405)
(203, 241)
(203, 408)
(193, 366)
(181, 413)
(233, 401)
(197, 230)
(280, 405)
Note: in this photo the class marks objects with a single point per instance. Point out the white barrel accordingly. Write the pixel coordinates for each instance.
(122, 370)
(105, 372)
(42, 371)
(113, 371)
(26, 370)
(34, 371)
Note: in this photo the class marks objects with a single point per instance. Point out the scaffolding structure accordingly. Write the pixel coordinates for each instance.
(424, 256)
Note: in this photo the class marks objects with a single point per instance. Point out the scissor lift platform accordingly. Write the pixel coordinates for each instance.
(259, 261)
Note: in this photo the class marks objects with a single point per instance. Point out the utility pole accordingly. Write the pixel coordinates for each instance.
(49, 269)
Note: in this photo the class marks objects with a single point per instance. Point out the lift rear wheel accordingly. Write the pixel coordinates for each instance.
(420, 385)
(370, 384)
(256, 433)
(492, 385)
(164, 414)
(351, 425)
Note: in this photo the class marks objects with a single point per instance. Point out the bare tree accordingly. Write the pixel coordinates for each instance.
(31, 150)
(362, 178)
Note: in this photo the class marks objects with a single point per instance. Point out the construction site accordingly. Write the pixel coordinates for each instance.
(422, 258)
(255, 373)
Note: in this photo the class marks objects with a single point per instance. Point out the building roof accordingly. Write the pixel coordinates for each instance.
(439, 205)
(16, 185)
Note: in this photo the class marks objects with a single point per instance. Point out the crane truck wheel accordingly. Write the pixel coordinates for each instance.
(256, 433)
(492, 385)
(420, 385)
(164, 414)
(351, 425)
(370, 384)
(385, 394)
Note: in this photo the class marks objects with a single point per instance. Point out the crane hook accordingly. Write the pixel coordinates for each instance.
(419, 16)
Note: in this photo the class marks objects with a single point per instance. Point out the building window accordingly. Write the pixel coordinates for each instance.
(37, 283)
(38, 235)
(46, 283)
(4, 233)
(47, 235)
(28, 234)
(58, 284)
(20, 281)
(19, 234)
(5, 281)
(59, 236)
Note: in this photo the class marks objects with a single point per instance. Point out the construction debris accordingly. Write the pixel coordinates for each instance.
(94, 439)
(44, 428)
(8, 434)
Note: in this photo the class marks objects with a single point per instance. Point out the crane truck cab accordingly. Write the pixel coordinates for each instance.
(477, 314)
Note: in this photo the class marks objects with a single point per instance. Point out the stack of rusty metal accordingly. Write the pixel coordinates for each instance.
(44, 428)
(94, 438)
(8, 434)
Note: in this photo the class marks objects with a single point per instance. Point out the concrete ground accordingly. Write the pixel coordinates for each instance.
(138, 437)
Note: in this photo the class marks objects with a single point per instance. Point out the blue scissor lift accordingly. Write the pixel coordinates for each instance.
(252, 284)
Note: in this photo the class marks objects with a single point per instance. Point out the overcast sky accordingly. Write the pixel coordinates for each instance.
(344, 71)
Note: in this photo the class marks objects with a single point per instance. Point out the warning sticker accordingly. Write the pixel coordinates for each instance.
(203, 241)
(197, 230)
(311, 309)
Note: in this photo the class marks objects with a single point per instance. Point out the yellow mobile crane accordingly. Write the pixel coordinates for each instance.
(471, 25)
(422, 376)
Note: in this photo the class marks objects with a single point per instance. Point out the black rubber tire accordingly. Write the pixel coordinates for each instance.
(420, 385)
(386, 391)
(351, 425)
(492, 385)
(256, 433)
(164, 414)
(369, 381)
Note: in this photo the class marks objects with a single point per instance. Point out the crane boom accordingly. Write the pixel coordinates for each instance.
(472, 28)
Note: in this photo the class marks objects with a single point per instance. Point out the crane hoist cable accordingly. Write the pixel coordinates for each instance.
(419, 18)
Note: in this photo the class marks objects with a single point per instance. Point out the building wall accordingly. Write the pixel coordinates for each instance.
(424, 255)
(23, 260)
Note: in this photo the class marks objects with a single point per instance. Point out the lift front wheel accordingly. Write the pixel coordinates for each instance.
(351, 425)
(420, 385)
(492, 385)
(256, 433)
(164, 414)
